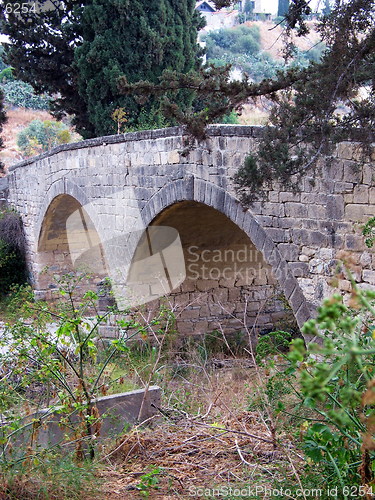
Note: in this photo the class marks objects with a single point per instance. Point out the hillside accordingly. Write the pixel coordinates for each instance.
(18, 118)
(272, 41)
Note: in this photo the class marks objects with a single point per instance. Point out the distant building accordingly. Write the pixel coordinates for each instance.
(205, 6)
(262, 9)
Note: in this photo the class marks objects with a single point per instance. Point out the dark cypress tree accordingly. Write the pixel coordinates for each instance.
(282, 8)
(77, 50)
(327, 8)
(41, 50)
(137, 40)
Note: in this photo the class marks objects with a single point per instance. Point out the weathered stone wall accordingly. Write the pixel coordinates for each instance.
(3, 191)
(122, 179)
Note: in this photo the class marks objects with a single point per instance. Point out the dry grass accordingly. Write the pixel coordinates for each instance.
(255, 114)
(204, 437)
(272, 40)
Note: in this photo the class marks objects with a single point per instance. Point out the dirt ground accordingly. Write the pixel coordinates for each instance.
(223, 444)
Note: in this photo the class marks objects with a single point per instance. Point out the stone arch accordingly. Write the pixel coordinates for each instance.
(60, 187)
(67, 238)
(203, 191)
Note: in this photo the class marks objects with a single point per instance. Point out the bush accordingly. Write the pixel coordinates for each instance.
(336, 382)
(230, 119)
(41, 136)
(13, 270)
(22, 94)
(240, 40)
(6, 75)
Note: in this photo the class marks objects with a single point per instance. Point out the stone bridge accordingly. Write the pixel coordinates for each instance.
(87, 202)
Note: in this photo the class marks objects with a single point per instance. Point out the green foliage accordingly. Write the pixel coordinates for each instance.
(49, 477)
(369, 232)
(282, 8)
(6, 75)
(22, 94)
(79, 51)
(114, 46)
(240, 40)
(149, 481)
(230, 119)
(63, 369)
(240, 47)
(336, 379)
(3, 64)
(13, 270)
(272, 343)
(41, 136)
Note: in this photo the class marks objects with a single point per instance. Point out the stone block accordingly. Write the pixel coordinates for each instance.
(302, 315)
(316, 211)
(116, 410)
(188, 314)
(299, 269)
(334, 170)
(345, 285)
(273, 209)
(352, 172)
(325, 253)
(368, 174)
(268, 249)
(278, 235)
(273, 196)
(343, 187)
(297, 210)
(360, 194)
(289, 196)
(289, 251)
(301, 236)
(368, 276)
(289, 222)
(308, 251)
(234, 294)
(314, 198)
(358, 212)
(268, 221)
(205, 285)
(335, 207)
(288, 286)
(250, 225)
(201, 327)
(354, 242)
(296, 299)
(365, 259)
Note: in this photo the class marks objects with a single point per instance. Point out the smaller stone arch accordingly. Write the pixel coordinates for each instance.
(67, 241)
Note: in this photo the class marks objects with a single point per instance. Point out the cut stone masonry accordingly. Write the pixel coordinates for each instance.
(296, 239)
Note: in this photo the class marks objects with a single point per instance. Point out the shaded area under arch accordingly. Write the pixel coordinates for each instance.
(68, 240)
(228, 284)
